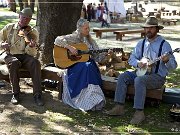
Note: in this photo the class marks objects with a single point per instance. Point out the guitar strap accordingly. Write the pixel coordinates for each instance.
(159, 53)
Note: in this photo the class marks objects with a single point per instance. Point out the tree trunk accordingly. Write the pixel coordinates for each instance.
(12, 5)
(56, 18)
(32, 3)
(26, 3)
(20, 5)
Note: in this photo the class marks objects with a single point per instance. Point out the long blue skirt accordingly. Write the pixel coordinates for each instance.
(81, 74)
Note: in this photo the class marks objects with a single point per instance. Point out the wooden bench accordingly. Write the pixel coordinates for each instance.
(169, 21)
(99, 31)
(50, 73)
(120, 34)
(109, 84)
(166, 13)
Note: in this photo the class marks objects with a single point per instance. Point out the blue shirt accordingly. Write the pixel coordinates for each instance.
(151, 50)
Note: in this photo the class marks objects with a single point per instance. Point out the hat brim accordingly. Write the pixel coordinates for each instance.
(147, 26)
(20, 13)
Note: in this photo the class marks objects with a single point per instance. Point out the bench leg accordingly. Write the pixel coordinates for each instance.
(120, 36)
(60, 89)
(117, 36)
(99, 34)
(152, 102)
(96, 34)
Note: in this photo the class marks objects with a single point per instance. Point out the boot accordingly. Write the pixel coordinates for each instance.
(15, 99)
(117, 110)
(38, 100)
(138, 117)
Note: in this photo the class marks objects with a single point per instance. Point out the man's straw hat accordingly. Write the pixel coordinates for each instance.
(151, 22)
(27, 12)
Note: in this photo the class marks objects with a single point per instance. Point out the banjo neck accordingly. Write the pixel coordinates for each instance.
(143, 71)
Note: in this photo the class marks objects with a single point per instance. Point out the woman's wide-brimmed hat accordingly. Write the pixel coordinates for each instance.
(151, 22)
(27, 12)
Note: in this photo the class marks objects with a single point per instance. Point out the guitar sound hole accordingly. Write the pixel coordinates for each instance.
(74, 57)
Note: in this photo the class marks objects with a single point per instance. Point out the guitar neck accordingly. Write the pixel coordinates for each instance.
(80, 52)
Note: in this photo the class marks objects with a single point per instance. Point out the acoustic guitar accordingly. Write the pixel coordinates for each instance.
(147, 69)
(63, 58)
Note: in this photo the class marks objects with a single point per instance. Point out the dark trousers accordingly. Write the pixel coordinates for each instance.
(104, 23)
(25, 61)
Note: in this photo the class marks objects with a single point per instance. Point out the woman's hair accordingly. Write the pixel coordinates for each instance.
(80, 23)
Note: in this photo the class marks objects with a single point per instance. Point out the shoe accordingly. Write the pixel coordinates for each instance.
(138, 117)
(116, 111)
(15, 99)
(38, 100)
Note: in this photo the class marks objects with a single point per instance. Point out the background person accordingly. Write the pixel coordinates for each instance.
(104, 20)
(21, 54)
(149, 48)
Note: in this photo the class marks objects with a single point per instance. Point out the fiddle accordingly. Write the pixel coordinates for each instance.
(27, 34)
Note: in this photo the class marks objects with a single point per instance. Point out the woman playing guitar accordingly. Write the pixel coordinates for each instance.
(82, 81)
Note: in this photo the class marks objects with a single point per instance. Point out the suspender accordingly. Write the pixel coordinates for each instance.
(159, 53)
(143, 47)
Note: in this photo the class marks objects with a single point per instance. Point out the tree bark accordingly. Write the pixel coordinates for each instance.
(20, 5)
(12, 5)
(32, 3)
(26, 3)
(55, 18)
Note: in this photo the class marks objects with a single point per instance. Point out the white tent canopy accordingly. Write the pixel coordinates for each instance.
(116, 6)
(86, 2)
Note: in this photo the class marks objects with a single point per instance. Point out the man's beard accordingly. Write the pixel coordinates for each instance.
(150, 35)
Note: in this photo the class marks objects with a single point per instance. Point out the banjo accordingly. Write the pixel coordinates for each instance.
(147, 68)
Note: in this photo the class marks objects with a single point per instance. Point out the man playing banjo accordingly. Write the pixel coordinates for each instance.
(148, 49)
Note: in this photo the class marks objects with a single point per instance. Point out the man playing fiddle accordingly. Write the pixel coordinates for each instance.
(21, 53)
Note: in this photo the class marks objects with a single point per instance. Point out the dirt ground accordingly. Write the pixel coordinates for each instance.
(27, 118)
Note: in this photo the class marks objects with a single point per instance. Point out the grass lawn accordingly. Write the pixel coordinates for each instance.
(157, 119)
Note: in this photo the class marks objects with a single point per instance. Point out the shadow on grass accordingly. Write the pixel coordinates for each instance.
(56, 117)
(173, 39)
(5, 21)
(173, 79)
